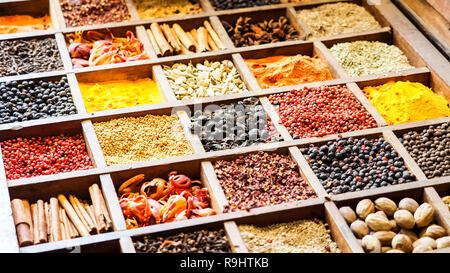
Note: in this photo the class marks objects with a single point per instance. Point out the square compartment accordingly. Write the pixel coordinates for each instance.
(120, 74)
(391, 140)
(78, 187)
(370, 8)
(43, 130)
(268, 15)
(200, 60)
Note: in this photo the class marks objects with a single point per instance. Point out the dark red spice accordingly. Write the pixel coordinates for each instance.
(320, 111)
(35, 156)
(261, 179)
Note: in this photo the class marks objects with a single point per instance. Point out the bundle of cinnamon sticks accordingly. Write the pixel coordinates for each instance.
(169, 41)
(60, 218)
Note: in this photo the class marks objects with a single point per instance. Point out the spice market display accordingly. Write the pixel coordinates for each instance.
(219, 126)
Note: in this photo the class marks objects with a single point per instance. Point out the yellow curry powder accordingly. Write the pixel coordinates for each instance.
(23, 23)
(119, 94)
(402, 102)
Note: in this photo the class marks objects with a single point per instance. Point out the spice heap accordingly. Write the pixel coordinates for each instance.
(23, 23)
(231, 4)
(246, 33)
(338, 18)
(446, 200)
(149, 9)
(382, 226)
(91, 12)
(35, 156)
(134, 139)
(280, 71)
(402, 102)
(320, 111)
(51, 221)
(168, 41)
(261, 179)
(204, 80)
(159, 201)
(19, 57)
(119, 94)
(30, 100)
(369, 57)
(202, 241)
(430, 148)
(348, 165)
(228, 126)
(92, 48)
(302, 236)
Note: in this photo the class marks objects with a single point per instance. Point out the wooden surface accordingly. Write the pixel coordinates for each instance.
(432, 18)
(431, 68)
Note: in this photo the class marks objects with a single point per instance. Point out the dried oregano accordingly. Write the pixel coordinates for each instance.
(338, 18)
(370, 57)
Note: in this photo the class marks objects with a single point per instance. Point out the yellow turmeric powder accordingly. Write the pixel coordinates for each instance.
(119, 94)
(23, 23)
(402, 102)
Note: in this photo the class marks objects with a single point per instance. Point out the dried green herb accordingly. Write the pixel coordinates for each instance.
(370, 57)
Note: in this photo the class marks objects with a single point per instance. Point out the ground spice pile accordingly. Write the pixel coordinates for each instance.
(90, 12)
(402, 102)
(280, 71)
(134, 139)
(261, 179)
(119, 94)
(149, 9)
(370, 57)
(302, 236)
(337, 18)
(23, 23)
(35, 156)
(320, 111)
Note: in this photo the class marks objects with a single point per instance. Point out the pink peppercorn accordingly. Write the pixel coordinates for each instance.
(35, 156)
(320, 111)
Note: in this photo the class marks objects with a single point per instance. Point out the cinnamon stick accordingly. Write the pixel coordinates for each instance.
(177, 40)
(166, 49)
(34, 214)
(47, 218)
(80, 215)
(54, 219)
(214, 35)
(194, 41)
(154, 43)
(202, 37)
(26, 205)
(92, 215)
(212, 44)
(171, 38)
(23, 228)
(183, 37)
(42, 222)
(100, 210)
(64, 232)
(73, 216)
(85, 214)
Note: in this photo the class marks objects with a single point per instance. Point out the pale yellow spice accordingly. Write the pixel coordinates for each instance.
(135, 139)
(302, 236)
